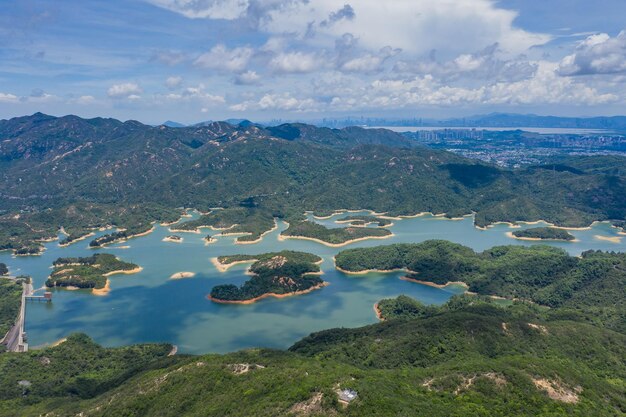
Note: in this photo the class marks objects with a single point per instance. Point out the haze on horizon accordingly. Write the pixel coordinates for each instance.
(193, 60)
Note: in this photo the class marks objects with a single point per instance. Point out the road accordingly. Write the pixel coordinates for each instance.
(15, 337)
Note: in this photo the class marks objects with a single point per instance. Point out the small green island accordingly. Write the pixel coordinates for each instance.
(543, 233)
(4, 270)
(335, 237)
(275, 274)
(88, 272)
(362, 221)
(120, 236)
(173, 239)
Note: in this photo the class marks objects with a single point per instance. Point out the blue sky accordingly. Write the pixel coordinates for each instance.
(194, 60)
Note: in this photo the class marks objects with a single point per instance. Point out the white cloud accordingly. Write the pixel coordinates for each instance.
(224, 59)
(295, 62)
(86, 99)
(130, 91)
(197, 93)
(282, 102)
(248, 78)
(173, 82)
(597, 54)
(8, 98)
(369, 62)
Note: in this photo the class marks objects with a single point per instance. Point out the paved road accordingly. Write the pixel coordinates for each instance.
(15, 338)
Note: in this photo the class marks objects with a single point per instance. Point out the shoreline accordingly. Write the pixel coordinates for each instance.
(102, 291)
(124, 271)
(434, 285)
(334, 245)
(123, 239)
(378, 313)
(64, 245)
(182, 275)
(225, 267)
(370, 271)
(260, 238)
(612, 239)
(267, 295)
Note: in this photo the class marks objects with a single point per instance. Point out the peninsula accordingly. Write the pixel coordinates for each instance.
(88, 272)
(334, 237)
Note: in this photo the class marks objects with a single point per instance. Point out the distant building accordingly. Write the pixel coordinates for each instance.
(347, 395)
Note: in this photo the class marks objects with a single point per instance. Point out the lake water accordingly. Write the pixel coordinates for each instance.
(150, 307)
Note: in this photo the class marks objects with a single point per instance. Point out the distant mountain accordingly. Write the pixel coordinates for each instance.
(532, 120)
(616, 123)
(94, 172)
(169, 123)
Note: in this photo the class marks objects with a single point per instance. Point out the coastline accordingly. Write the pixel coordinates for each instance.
(124, 271)
(378, 313)
(102, 291)
(334, 245)
(267, 295)
(182, 275)
(225, 267)
(369, 271)
(257, 240)
(612, 239)
(432, 284)
(64, 245)
(123, 239)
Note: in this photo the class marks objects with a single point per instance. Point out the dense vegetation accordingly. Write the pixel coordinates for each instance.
(590, 287)
(468, 357)
(334, 236)
(3, 269)
(85, 174)
(547, 233)
(10, 301)
(273, 273)
(77, 368)
(88, 272)
(364, 221)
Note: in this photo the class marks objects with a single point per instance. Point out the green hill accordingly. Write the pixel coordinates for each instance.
(87, 173)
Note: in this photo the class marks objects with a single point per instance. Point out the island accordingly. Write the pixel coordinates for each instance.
(173, 239)
(543, 233)
(334, 237)
(88, 272)
(275, 274)
(208, 239)
(402, 307)
(362, 221)
(4, 270)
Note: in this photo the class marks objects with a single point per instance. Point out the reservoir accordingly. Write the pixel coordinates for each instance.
(151, 307)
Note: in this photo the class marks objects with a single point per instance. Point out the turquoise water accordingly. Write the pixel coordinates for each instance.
(150, 307)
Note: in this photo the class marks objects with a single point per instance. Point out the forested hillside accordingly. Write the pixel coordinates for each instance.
(82, 174)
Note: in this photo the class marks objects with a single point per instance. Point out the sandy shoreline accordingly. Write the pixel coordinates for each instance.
(260, 238)
(612, 239)
(102, 291)
(124, 271)
(269, 294)
(172, 239)
(181, 275)
(64, 245)
(432, 284)
(334, 245)
(378, 313)
(369, 271)
(225, 267)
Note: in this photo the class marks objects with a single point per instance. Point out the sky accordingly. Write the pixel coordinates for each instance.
(197, 60)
